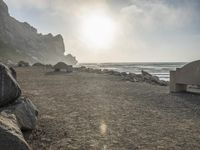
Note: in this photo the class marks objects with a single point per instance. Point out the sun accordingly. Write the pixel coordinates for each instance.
(98, 31)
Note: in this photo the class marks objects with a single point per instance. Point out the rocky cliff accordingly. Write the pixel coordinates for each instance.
(21, 41)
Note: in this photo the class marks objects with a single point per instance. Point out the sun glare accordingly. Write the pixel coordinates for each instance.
(98, 31)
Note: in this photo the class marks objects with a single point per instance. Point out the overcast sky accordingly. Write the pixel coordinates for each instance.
(146, 30)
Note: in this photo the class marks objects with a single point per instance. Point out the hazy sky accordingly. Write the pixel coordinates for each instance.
(144, 30)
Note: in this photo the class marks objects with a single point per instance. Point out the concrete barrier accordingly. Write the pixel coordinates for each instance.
(187, 75)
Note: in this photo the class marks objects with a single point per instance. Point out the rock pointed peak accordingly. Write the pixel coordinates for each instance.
(3, 8)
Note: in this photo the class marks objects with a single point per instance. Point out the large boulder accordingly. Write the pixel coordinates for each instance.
(9, 88)
(25, 112)
(63, 66)
(38, 64)
(146, 74)
(11, 137)
(153, 79)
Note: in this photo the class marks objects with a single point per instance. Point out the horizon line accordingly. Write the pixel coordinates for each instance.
(135, 62)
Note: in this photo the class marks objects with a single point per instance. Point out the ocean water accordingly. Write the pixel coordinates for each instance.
(158, 69)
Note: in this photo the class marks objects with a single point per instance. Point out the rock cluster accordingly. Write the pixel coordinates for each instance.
(143, 77)
(9, 88)
(23, 64)
(41, 65)
(16, 113)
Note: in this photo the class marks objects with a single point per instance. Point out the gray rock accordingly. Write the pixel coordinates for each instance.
(38, 64)
(98, 71)
(61, 66)
(131, 77)
(11, 137)
(162, 83)
(49, 66)
(116, 73)
(146, 74)
(81, 69)
(9, 88)
(110, 72)
(25, 112)
(105, 71)
(123, 74)
(23, 64)
(153, 79)
(3, 9)
(13, 72)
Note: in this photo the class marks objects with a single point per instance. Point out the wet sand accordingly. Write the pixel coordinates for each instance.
(88, 111)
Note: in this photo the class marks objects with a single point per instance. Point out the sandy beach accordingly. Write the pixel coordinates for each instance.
(83, 111)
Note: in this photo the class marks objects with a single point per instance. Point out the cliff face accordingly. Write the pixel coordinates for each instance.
(20, 41)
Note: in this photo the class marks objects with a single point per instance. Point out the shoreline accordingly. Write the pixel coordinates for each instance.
(143, 77)
(159, 69)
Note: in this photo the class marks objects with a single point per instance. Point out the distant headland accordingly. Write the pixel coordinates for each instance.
(21, 41)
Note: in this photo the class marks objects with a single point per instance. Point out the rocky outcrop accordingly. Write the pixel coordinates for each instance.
(62, 66)
(11, 136)
(25, 112)
(152, 79)
(15, 112)
(143, 77)
(23, 64)
(38, 65)
(3, 9)
(9, 88)
(21, 41)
